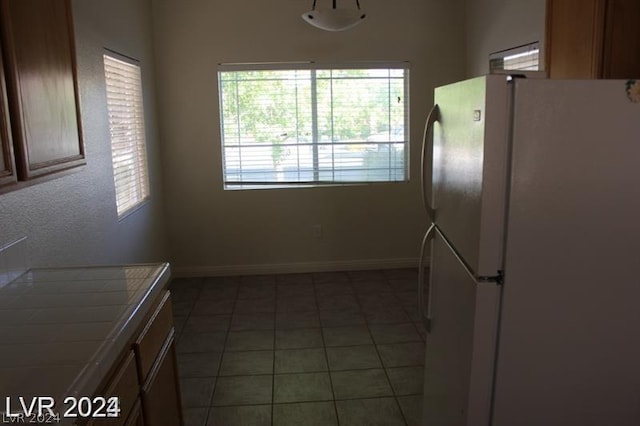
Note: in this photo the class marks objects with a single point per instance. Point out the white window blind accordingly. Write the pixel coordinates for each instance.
(523, 58)
(304, 124)
(126, 124)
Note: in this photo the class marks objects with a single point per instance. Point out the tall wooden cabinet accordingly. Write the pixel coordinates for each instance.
(41, 86)
(593, 39)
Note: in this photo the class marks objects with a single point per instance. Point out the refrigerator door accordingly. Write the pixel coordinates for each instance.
(461, 343)
(469, 169)
(569, 350)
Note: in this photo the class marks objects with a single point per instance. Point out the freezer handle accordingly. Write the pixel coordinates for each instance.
(427, 161)
(425, 311)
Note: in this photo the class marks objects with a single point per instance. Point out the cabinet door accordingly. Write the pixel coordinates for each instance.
(7, 165)
(575, 31)
(124, 385)
(160, 394)
(135, 418)
(593, 39)
(42, 86)
(622, 40)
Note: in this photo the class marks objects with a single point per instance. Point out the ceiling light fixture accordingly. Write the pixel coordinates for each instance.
(334, 19)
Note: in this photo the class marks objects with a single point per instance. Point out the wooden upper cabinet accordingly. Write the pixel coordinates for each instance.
(38, 44)
(622, 39)
(593, 39)
(574, 38)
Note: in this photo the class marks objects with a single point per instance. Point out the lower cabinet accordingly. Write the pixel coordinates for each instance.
(146, 378)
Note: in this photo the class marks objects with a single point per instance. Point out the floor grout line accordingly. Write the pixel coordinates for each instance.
(326, 356)
(384, 368)
(224, 347)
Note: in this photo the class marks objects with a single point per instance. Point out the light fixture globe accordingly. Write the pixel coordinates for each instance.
(334, 19)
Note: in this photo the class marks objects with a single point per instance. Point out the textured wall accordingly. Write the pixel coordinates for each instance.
(216, 231)
(495, 25)
(72, 220)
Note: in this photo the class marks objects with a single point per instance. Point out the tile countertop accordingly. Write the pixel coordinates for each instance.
(61, 329)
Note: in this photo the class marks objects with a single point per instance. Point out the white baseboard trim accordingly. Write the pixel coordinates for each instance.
(291, 268)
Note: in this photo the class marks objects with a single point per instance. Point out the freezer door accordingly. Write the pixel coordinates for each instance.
(461, 343)
(469, 169)
(569, 350)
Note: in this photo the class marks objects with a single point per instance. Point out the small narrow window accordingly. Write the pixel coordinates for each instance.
(522, 58)
(126, 125)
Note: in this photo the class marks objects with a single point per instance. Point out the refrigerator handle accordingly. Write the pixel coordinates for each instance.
(427, 150)
(425, 314)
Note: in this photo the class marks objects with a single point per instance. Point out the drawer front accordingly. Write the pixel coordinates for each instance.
(125, 386)
(153, 336)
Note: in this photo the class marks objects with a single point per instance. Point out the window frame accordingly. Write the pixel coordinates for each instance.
(137, 143)
(314, 67)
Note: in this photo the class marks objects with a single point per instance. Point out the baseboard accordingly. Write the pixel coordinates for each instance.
(291, 268)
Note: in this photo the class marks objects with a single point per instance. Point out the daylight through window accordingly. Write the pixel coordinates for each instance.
(126, 125)
(312, 125)
(521, 58)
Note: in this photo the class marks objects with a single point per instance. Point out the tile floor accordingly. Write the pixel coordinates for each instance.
(337, 348)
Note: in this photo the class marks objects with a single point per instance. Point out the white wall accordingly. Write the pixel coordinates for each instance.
(495, 25)
(216, 231)
(72, 220)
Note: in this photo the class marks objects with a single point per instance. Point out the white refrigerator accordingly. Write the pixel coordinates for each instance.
(532, 295)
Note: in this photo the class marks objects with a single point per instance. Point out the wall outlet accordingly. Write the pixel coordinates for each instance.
(317, 231)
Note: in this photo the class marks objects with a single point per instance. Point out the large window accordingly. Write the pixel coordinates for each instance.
(304, 124)
(126, 124)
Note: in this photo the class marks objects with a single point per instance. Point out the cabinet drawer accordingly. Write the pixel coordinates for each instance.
(125, 386)
(153, 336)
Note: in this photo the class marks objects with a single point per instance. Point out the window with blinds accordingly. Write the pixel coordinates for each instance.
(522, 58)
(126, 125)
(303, 124)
